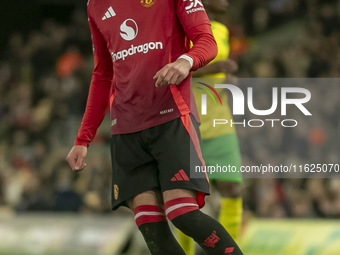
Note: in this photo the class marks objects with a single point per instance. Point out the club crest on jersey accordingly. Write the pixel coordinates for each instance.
(147, 3)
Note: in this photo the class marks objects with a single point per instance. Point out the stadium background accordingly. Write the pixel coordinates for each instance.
(45, 68)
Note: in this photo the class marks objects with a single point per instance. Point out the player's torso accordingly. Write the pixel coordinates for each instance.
(142, 36)
(133, 29)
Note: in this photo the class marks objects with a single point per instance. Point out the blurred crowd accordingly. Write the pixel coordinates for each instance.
(295, 39)
(44, 79)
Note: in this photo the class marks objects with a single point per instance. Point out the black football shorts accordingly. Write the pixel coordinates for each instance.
(157, 158)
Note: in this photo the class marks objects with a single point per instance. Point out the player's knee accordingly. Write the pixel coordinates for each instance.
(229, 189)
(178, 193)
(176, 211)
(147, 207)
(148, 213)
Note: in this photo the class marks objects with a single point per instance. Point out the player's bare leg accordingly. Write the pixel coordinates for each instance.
(182, 209)
(150, 197)
(151, 221)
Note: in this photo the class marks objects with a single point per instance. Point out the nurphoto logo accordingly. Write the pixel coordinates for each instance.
(281, 97)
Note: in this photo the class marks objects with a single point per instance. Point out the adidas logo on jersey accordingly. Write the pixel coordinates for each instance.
(180, 176)
(109, 14)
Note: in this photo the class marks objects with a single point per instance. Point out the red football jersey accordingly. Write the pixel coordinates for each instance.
(132, 40)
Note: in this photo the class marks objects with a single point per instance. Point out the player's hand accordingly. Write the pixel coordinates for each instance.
(173, 73)
(76, 157)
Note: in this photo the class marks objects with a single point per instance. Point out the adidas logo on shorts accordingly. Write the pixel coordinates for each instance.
(180, 176)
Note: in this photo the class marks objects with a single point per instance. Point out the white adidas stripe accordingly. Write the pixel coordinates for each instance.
(174, 207)
(109, 14)
(147, 213)
(112, 12)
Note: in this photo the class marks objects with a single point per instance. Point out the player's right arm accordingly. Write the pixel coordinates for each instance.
(97, 101)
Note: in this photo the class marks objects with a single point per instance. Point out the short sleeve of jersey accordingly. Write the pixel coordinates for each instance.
(191, 13)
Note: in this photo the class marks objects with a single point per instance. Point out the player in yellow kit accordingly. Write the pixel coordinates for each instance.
(219, 144)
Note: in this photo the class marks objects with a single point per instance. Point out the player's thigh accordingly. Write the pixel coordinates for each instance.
(169, 195)
(149, 197)
(177, 152)
(134, 170)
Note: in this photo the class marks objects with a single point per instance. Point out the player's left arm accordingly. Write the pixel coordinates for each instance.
(197, 28)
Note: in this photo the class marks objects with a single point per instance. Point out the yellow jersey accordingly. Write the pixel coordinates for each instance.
(216, 110)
